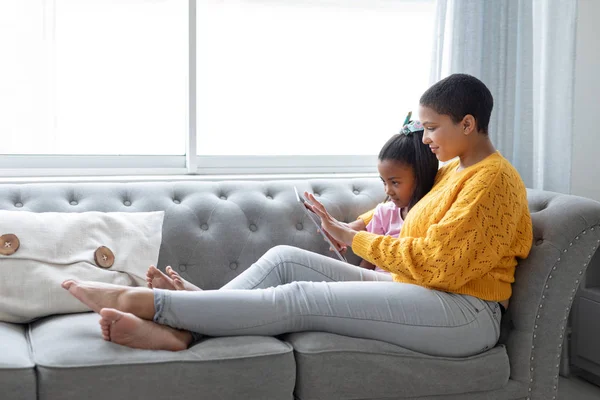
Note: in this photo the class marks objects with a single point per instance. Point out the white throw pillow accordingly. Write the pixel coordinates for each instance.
(38, 251)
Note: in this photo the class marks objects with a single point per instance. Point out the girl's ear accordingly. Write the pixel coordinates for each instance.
(469, 124)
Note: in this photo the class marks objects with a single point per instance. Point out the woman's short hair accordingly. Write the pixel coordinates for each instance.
(459, 95)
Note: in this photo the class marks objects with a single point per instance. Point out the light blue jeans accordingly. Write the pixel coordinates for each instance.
(292, 290)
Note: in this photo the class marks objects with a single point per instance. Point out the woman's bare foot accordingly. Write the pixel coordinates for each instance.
(128, 330)
(179, 282)
(96, 295)
(156, 279)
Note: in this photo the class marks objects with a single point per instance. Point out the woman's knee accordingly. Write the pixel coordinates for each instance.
(281, 253)
(276, 258)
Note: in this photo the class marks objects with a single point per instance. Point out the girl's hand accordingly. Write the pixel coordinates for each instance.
(335, 229)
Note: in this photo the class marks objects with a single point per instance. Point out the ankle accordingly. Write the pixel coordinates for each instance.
(137, 301)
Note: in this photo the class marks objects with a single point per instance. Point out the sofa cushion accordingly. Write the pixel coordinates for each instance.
(333, 366)
(74, 362)
(17, 374)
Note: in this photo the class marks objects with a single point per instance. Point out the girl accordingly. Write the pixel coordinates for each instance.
(407, 168)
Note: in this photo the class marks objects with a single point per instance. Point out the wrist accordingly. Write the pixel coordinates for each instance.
(349, 237)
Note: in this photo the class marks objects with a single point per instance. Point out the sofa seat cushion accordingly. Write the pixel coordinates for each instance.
(17, 373)
(74, 362)
(339, 367)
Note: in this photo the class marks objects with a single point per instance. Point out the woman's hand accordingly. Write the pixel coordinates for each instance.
(335, 229)
(357, 225)
(341, 247)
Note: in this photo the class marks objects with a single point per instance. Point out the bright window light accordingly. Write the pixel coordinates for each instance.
(308, 77)
(91, 77)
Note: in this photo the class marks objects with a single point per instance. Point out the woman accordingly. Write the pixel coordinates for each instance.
(451, 266)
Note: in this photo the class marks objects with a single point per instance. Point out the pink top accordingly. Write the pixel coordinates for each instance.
(387, 221)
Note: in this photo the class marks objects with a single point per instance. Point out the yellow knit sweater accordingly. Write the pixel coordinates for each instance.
(463, 237)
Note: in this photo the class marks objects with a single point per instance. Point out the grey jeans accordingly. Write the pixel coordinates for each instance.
(292, 290)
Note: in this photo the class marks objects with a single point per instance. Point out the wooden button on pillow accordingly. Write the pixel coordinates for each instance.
(9, 244)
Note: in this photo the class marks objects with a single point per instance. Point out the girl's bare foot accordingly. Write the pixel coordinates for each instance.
(97, 295)
(156, 279)
(128, 330)
(179, 282)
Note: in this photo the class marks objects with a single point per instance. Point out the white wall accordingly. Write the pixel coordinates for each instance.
(585, 172)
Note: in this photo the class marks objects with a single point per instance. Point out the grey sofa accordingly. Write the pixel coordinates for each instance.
(214, 230)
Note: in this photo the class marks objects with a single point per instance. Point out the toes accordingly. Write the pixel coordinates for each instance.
(67, 284)
(151, 271)
(178, 284)
(105, 325)
(172, 273)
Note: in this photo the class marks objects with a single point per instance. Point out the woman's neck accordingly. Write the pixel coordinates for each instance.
(481, 148)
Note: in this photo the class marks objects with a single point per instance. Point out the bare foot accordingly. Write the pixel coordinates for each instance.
(97, 295)
(128, 330)
(179, 282)
(156, 279)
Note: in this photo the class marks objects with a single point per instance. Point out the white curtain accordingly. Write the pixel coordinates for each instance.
(524, 51)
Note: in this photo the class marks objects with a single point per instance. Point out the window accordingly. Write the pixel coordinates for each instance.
(280, 86)
(328, 77)
(98, 77)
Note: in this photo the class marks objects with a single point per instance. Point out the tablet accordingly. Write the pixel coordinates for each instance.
(317, 221)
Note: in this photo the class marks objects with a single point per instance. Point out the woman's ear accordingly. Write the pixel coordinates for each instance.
(469, 124)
